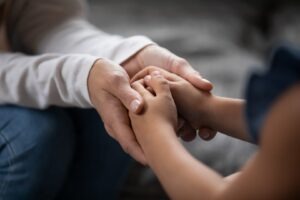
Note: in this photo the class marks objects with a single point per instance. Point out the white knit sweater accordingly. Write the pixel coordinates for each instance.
(53, 48)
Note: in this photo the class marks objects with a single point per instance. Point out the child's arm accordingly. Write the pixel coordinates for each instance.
(201, 109)
(272, 174)
(155, 131)
(226, 115)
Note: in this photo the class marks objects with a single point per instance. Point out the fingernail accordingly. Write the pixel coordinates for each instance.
(205, 80)
(147, 78)
(135, 105)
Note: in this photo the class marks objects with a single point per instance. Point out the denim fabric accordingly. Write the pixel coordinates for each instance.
(263, 89)
(57, 154)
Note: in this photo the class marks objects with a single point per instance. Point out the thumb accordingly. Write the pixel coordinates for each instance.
(182, 68)
(130, 98)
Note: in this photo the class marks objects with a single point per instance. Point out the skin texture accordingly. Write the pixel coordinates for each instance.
(112, 96)
(271, 174)
(180, 90)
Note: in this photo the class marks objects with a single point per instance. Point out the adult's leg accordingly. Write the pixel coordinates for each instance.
(100, 163)
(36, 148)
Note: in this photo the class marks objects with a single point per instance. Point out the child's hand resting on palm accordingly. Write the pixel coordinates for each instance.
(159, 111)
(192, 103)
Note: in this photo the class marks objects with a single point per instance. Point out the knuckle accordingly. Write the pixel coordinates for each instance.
(102, 61)
(180, 62)
(117, 78)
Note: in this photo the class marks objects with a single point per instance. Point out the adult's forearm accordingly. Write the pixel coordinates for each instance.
(79, 36)
(63, 28)
(42, 81)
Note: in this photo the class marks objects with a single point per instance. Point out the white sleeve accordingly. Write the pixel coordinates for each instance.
(41, 81)
(40, 27)
(59, 26)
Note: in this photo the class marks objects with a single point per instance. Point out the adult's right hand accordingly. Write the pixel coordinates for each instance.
(112, 96)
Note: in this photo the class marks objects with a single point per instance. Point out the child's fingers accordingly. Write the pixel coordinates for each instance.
(148, 70)
(158, 83)
(140, 88)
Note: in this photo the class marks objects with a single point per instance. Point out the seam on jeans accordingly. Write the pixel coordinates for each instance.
(10, 161)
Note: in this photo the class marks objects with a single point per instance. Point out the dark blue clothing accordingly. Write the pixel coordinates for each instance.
(263, 89)
(57, 154)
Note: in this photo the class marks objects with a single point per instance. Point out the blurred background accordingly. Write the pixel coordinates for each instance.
(223, 39)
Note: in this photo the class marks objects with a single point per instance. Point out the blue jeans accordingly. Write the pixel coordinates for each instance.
(57, 154)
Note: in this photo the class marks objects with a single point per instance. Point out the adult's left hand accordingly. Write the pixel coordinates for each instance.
(154, 55)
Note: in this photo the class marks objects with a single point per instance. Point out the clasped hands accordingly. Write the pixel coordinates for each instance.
(167, 99)
(112, 95)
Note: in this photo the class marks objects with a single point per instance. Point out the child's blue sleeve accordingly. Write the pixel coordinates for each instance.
(263, 89)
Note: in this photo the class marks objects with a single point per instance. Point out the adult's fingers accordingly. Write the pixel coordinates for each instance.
(182, 68)
(148, 70)
(119, 86)
(117, 124)
(157, 56)
(128, 141)
(112, 78)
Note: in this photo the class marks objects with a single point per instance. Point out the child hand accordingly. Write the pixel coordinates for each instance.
(192, 103)
(159, 109)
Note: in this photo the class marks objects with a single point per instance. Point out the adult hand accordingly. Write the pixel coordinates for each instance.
(112, 97)
(154, 55)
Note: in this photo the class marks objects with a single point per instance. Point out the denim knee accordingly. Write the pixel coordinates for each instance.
(36, 150)
(100, 163)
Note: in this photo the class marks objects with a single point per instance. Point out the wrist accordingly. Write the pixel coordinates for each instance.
(156, 134)
(212, 111)
(226, 115)
(206, 110)
(92, 78)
